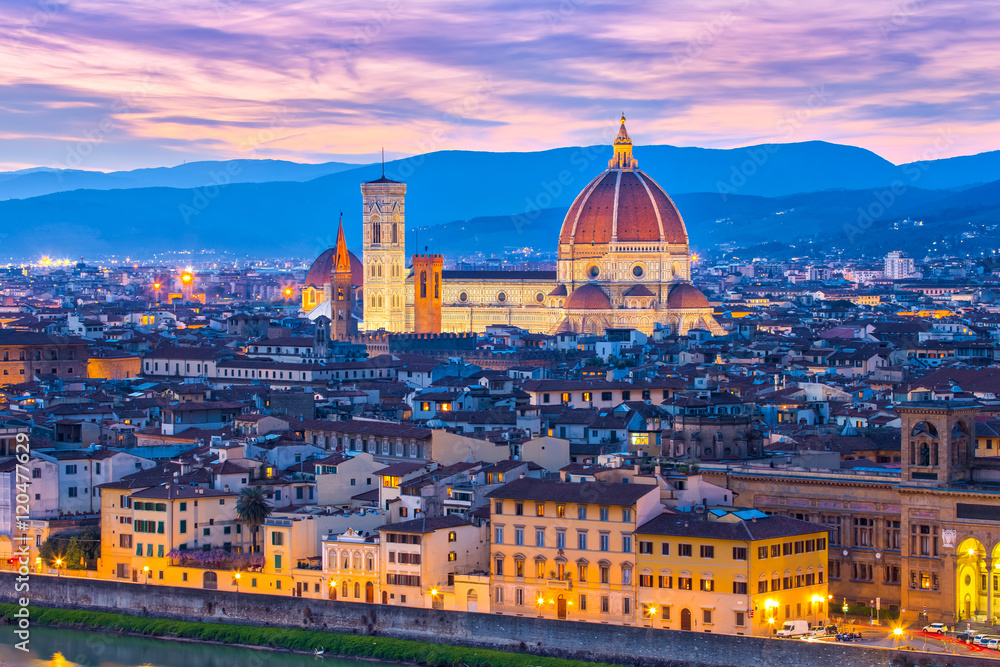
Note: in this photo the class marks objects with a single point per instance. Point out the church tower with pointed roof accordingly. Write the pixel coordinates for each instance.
(343, 326)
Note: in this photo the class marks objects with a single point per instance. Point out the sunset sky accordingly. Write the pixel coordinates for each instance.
(120, 84)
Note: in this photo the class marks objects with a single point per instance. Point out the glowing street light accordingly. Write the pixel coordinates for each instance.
(59, 563)
(236, 578)
(145, 571)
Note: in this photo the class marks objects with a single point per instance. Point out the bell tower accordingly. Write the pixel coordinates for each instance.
(384, 217)
(938, 441)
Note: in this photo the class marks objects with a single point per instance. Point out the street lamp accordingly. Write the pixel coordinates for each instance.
(237, 578)
(58, 566)
(145, 571)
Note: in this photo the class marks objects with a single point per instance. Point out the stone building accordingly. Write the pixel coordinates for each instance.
(25, 354)
(623, 261)
(924, 540)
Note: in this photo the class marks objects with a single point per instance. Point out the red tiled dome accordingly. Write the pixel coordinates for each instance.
(686, 296)
(319, 272)
(644, 211)
(588, 297)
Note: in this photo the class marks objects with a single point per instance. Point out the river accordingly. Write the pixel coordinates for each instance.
(79, 648)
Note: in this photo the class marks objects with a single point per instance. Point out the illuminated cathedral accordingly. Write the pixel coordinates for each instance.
(623, 262)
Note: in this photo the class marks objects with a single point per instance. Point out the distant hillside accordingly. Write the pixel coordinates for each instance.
(37, 182)
(806, 191)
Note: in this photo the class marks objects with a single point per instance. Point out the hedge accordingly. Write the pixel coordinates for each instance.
(335, 644)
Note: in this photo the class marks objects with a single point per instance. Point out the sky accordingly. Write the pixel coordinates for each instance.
(122, 84)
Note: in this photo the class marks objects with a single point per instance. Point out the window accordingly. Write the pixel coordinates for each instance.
(498, 535)
(665, 549)
(627, 606)
(740, 618)
(560, 539)
(519, 536)
(923, 540)
(708, 585)
(452, 536)
(707, 551)
(605, 574)
(277, 539)
(583, 602)
(518, 597)
(539, 509)
(761, 553)
(626, 515)
(740, 588)
(605, 604)
(646, 580)
(645, 547)
(498, 566)
(605, 542)
(864, 529)
(581, 540)
(70, 469)
(519, 509)
(581, 512)
(684, 550)
(706, 616)
(561, 511)
(627, 544)
(183, 526)
(775, 551)
(581, 573)
(498, 507)
(684, 583)
(665, 613)
(539, 569)
(762, 586)
(452, 556)
(277, 561)
(739, 553)
(604, 514)
(665, 581)
(71, 492)
(626, 575)
(540, 537)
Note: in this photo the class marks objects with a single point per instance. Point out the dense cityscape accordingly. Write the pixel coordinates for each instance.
(550, 334)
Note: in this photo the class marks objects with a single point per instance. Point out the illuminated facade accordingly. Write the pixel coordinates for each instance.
(624, 261)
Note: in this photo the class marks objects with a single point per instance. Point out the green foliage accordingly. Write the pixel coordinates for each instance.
(363, 646)
(74, 548)
(253, 509)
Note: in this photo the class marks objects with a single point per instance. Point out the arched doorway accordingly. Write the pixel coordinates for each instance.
(472, 601)
(385, 597)
(970, 573)
(210, 580)
(369, 592)
(561, 607)
(685, 619)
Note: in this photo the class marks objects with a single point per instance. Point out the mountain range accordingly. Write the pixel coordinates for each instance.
(463, 201)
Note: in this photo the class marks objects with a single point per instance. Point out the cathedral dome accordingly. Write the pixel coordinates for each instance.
(588, 297)
(685, 295)
(623, 204)
(319, 272)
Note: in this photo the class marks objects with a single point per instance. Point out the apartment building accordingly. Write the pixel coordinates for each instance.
(567, 550)
(731, 571)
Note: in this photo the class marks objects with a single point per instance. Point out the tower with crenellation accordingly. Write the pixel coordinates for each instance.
(384, 258)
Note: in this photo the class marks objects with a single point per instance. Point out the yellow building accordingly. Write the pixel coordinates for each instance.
(567, 550)
(730, 571)
(987, 438)
(425, 561)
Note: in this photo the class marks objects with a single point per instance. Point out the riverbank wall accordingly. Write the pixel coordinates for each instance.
(636, 647)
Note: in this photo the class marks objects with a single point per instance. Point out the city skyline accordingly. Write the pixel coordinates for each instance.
(142, 86)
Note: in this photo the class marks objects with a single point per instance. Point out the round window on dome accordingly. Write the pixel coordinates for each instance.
(539, 297)
(463, 297)
(593, 270)
(638, 271)
(501, 297)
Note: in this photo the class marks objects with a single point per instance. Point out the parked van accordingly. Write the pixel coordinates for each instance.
(794, 629)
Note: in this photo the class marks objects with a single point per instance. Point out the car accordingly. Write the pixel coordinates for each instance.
(978, 639)
(938, 628)
(991, 642)
(966, 635)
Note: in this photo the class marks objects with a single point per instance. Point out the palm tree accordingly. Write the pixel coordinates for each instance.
(253, 509)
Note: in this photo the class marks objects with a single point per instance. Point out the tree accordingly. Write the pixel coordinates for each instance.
(74, 548)
(253, 509)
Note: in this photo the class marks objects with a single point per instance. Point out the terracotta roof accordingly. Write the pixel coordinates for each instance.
(644, 211)
(428, 525)
(638, 290)
(606, 493)
(685, 295)
(588, 297)
(319, 272)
